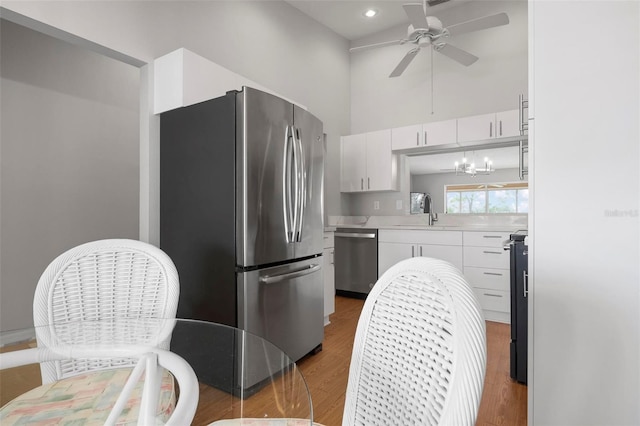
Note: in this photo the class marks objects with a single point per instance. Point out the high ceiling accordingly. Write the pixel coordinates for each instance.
(346, 17)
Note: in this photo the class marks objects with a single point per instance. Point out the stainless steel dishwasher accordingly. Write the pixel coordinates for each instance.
(355, 261)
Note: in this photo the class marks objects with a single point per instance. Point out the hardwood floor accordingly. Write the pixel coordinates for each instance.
(504, 401)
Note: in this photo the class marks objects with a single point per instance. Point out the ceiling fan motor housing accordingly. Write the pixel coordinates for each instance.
(434, 29)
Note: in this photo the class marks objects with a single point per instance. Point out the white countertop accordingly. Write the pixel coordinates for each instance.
(480, 223)
(414, 227)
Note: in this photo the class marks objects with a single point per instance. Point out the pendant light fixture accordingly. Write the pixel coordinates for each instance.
(470, 168)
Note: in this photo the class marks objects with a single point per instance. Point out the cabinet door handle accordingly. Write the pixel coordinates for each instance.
(500, 127)
(417, 138)
(425, 137)
(413, 251)
(492, 273)
(361, 183)
(492, 295)
(420, 250)
(492, 252)
(525, 287)
(368, 183)
(490, 129)
(491, 236)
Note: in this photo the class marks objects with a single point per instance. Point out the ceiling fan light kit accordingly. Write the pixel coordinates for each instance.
(425, 31)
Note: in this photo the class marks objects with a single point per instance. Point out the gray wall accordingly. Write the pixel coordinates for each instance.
(269, 42)
(70, 158)
(492, 84)
(434, 183)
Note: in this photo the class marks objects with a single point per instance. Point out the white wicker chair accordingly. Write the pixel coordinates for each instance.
(419, 354)
(104, 280)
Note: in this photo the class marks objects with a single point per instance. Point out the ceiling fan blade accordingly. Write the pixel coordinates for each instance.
(478, 24)
(458, 55)
(416, 16)
(404, 63)
(374, 45)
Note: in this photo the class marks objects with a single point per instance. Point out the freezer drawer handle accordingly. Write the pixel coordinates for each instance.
(270, 279)
(353, 235)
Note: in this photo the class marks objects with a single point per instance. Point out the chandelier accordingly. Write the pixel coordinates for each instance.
(466, 168)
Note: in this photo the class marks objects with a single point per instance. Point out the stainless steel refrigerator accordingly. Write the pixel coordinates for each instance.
(241, 183)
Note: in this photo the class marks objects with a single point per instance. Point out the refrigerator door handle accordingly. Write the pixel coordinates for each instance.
(296, 185)
(271, 279)
(286, 188)
(302, 179)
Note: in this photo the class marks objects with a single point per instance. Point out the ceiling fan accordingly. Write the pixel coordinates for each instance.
(427, 31)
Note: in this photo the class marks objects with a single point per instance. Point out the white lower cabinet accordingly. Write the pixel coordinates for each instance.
(329, 279)
(487, 269)
(397, 245)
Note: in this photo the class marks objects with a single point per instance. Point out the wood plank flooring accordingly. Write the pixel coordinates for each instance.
(504, 402)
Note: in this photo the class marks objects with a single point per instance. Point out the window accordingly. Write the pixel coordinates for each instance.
(488, 198)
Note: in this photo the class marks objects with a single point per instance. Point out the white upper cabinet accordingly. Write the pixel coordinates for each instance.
(476, 127)
(508, 123)
(367, 163)
(407, 137)
(489, 126)
(381, 164)
(440, 132)
(420, 135)
(354, 163)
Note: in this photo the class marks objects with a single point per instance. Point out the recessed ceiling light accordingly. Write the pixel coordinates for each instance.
(370, 13)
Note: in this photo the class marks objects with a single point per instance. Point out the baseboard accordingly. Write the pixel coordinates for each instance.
(11, 337)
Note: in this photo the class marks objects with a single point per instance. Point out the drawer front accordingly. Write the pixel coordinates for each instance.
(328, 240)
(412, 236)
(485, 239)
(486, 257)
(493, 300)
(445, 238)
(493, 279)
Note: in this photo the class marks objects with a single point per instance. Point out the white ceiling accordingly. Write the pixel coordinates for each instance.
(503, 158)
(346, 18)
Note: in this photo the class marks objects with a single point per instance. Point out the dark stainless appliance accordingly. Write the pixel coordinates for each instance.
(241, 215)
(355, 261)
(519, 308)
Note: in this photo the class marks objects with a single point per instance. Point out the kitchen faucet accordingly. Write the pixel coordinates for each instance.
(433, 217)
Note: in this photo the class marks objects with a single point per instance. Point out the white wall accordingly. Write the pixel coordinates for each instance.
(70, 158)
(492, 84)
(585, 226)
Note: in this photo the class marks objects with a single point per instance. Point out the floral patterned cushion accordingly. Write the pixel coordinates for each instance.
(85, 399)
